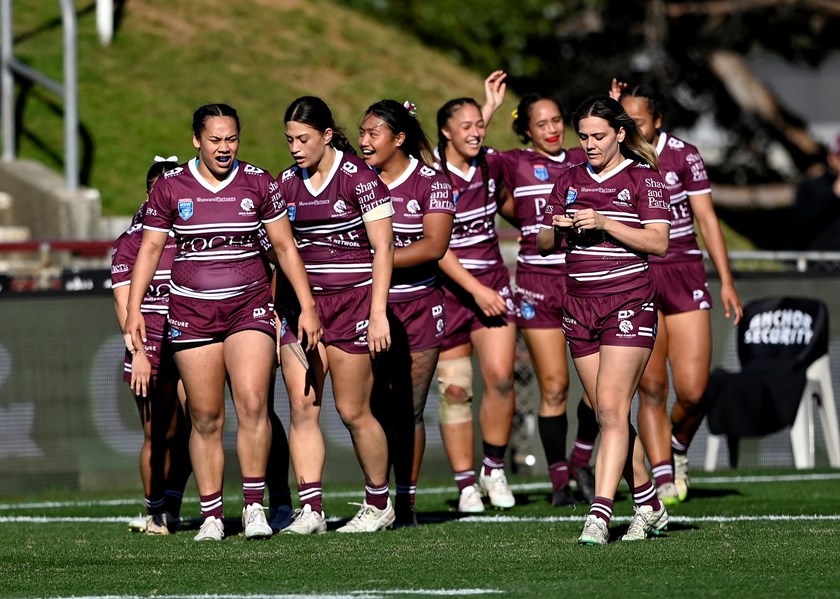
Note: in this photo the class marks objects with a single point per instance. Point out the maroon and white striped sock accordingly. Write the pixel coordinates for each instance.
(377, 495)
(581, 453)
(646, 495)
(253, 489)
(559, 474)
(464, 479)
(602, 507)
(211, 505)
(311, 494)
(663, 472)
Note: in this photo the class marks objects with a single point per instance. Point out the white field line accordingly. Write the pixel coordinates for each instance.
(577, 519)
(372, 594)
(522, 487)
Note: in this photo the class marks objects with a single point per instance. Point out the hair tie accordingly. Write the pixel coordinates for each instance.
(515, 114)
(162, 159)
(410, 107)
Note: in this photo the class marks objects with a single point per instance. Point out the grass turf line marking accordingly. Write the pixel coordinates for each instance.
(470, 519)
(349, 595)
(535, 486)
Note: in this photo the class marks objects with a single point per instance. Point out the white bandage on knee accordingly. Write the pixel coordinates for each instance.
(455, 373)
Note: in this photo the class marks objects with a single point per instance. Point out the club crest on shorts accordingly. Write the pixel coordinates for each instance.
(541, 172)
(527, 310)
(185, 209)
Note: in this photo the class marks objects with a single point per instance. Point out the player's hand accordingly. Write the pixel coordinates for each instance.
(588, 219)
(731, 303)
(141, 373)
(616, 88)
(494, 90)
(562, 222)
(135, 329)
(379, 334)
(489, 301)
(309, 328)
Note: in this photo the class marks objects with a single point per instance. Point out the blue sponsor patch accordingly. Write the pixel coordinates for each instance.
(292, 210)
(174, 333)
(455, 194)
(185, 209)
(571, 195)
(283, 326)
(527, 310)
(541, 172)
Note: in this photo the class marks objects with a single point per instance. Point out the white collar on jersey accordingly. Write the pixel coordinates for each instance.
(193, 165)
(339, 157)
(601, 178)
(412, 164)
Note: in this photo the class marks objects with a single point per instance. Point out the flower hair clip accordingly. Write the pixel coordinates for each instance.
(169, 159)
(410, 107)
(515, 114)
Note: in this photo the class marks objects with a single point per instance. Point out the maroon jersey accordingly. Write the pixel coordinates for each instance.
(419, 191)
(633, 194)
(474, 240)
(530, 176)
(123, 257)
(216, 228)
(329, 222)
(685, 175)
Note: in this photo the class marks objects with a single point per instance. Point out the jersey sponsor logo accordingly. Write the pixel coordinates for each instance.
(362, 325)
(675, 144)
(292, 211)
(455, 194)
(437, 310)
(287, 174)
(658, 203)
(247, 205)
(511, 307)
(704, 305)
(440, 325)
(527, 310)
(250, 169)
(571, 195)
(541, 172)
(174, 333)
(179, 323)
(258, 313)
(655, 183)
(340, 207)
(413, 206)
(134, 228)
(672, 178)
(175, 171)
(283, 326)
(698, 172)
(625, 314)
(115, 268)
(693, 157)
(349, 168)
(624, 195)
(427, 171)
(185, 209)
(697, 294)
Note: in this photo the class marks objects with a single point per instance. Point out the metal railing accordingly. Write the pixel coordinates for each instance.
(11, 67)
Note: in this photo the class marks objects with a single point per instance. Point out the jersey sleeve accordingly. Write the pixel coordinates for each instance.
(274, 204)
(438, 194)
(694, 176)
(372, 196)
(124, 255)
(561, 193)
(161, 209)
(654, 203)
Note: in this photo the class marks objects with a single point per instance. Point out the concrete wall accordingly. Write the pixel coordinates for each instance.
(40, 203)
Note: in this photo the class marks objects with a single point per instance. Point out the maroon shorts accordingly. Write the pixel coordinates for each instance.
(539, 300)
(626, 319)
(681, 287)
(158, 351)
(344, 319)
(195, 321)
(464, 316)
(423, 320)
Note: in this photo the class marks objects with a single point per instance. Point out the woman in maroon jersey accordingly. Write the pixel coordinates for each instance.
(393, 142)
(341, 218)
(153, 378)
(529, 176)
(685, 334)
(220, 310)
(479, 311)
(613, 213)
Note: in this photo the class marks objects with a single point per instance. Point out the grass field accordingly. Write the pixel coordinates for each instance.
(769, 534)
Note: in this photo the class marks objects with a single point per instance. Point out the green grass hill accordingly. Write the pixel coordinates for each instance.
(137, 96)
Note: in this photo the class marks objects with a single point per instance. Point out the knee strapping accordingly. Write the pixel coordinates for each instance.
(455, 385)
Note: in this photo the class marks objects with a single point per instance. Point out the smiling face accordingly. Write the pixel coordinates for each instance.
(546, 128)
(465, 131)
(378, 143)
(600, 142)
(217, 147)
(307, 145)
(639, 110)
